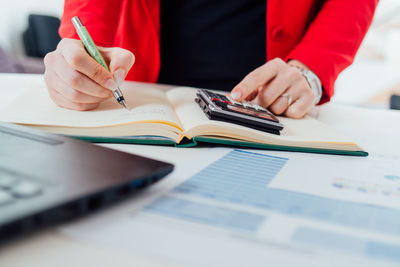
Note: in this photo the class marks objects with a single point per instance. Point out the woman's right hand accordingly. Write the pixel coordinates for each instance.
(76, 81)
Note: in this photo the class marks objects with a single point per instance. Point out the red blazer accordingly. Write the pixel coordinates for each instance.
(323, 34)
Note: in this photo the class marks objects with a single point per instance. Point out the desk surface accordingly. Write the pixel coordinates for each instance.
(55, 248)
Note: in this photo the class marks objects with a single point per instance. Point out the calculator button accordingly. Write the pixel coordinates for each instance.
(239, 104)
(258, 107)
(213, 95)
(246, 104)
(215, 99)
(253, 106)
(233, 101)
(224, 98)
(5, 198)
(7, 180)
(26, 189)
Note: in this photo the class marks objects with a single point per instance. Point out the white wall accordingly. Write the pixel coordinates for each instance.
(383, 39)
(14, 20)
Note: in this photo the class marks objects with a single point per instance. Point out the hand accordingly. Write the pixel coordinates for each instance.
(76, 81)
(279, 86)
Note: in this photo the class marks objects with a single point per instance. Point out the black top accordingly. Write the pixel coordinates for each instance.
(211, 44)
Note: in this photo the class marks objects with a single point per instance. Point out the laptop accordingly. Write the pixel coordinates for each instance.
(47, 179)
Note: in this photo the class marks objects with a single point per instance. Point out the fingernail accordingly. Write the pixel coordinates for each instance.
(236, 95)
(111, 84)
(119, 76)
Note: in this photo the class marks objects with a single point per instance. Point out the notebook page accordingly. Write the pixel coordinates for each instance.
(196, 123)
(146, 104)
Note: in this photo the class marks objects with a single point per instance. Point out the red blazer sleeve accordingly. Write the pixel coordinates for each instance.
(99, 17)
(333, 38)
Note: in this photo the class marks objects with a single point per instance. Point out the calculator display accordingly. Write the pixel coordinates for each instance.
(252, 112)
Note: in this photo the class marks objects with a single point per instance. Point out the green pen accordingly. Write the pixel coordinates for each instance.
(95, 54)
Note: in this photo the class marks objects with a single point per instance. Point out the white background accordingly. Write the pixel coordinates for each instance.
(14, 19)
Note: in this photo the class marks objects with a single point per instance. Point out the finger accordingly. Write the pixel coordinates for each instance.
(272, 91)
(281, 104)
(71, 94)
(121, 61)
(288, 77)
(257, 78)
(64, 103)
(79, 81)
(254, 94)
(301, 107)
(77, 57)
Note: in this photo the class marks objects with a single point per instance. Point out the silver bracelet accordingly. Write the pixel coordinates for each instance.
(313, 81)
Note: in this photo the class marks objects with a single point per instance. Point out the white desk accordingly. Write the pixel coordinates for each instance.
(55, 248)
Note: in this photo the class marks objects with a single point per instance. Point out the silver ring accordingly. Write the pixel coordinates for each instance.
(289, 98)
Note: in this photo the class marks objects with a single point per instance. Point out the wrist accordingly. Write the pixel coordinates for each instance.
(312, 79)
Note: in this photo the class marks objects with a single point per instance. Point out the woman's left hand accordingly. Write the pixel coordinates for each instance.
(278, 86)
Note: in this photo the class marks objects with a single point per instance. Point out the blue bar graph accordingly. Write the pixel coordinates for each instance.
(242, 178)
(206, 214)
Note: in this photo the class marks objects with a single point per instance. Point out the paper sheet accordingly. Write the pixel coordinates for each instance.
(374, 179)
(229, 213)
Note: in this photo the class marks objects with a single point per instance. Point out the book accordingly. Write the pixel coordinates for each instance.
(162, 116)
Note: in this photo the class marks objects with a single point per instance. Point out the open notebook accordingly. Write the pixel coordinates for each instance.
(159, 116)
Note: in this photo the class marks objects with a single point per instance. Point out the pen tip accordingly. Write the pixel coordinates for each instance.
(123, 102)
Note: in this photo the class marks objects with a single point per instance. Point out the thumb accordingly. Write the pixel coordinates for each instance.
(120, 62)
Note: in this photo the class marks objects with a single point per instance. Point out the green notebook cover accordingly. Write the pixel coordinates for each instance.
(197, 141)
(279, 147)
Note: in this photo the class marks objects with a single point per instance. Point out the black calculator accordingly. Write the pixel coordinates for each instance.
(224, 108)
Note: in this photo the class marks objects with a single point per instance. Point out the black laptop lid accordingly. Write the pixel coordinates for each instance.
(62, 176)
